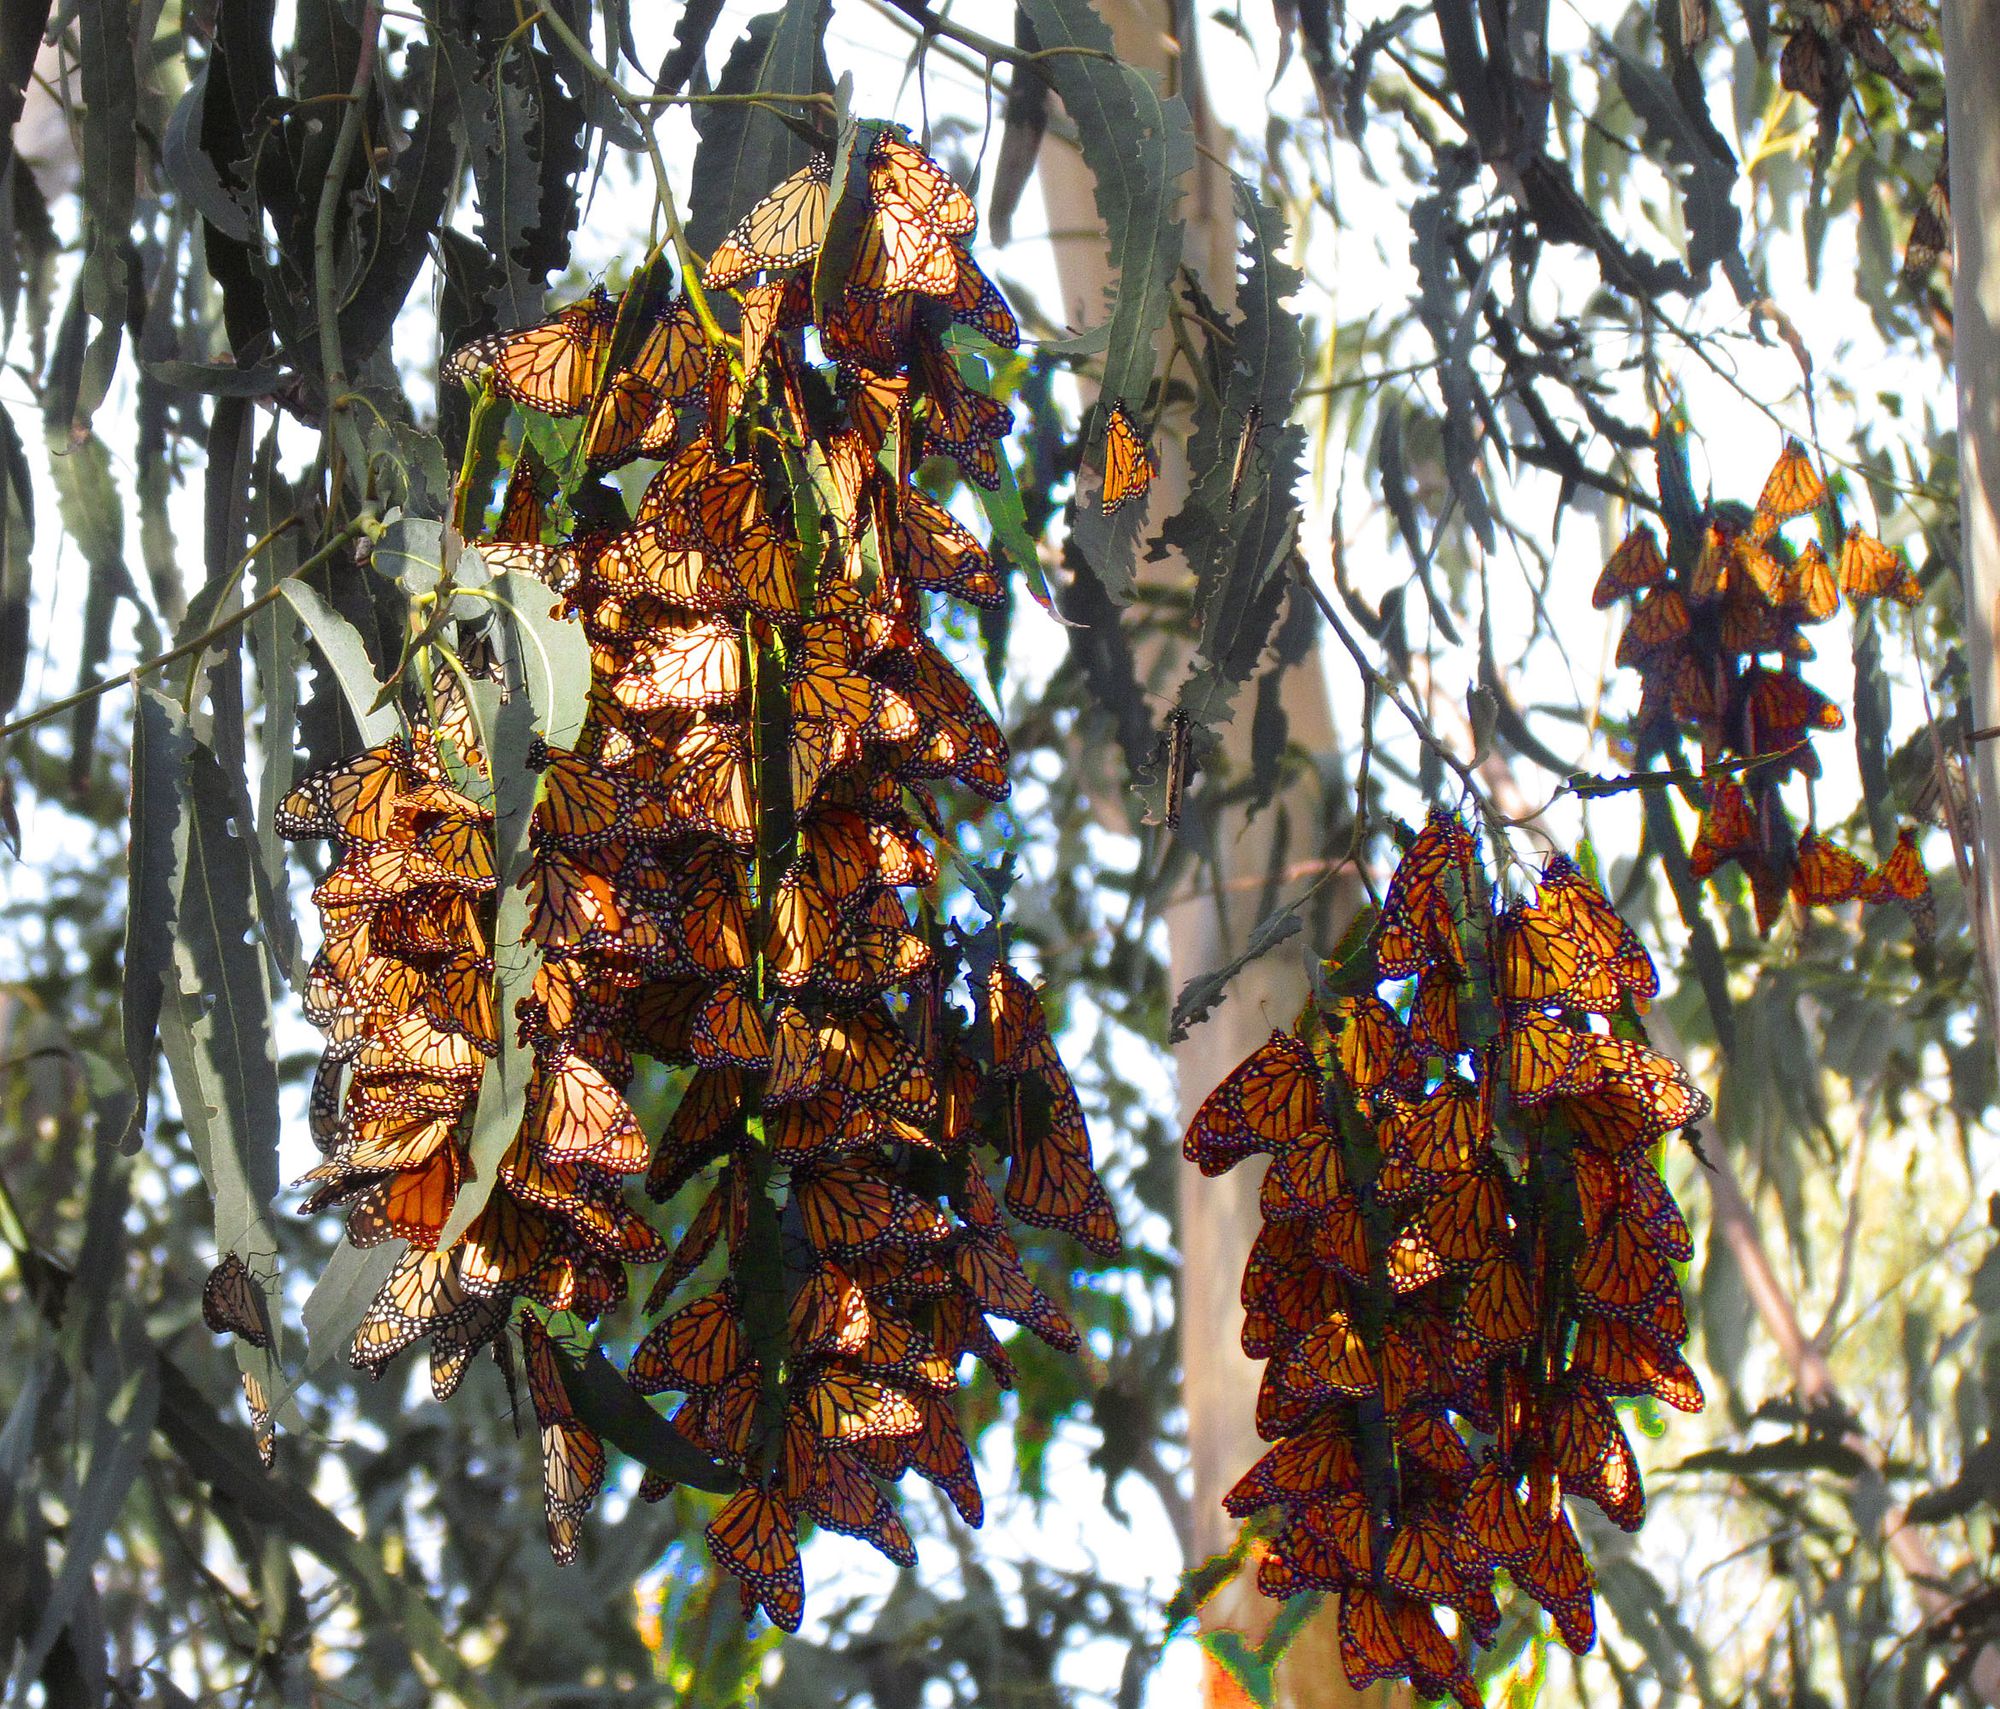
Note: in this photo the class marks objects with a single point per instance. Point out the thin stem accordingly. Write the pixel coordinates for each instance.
(635, 109)
(208, 637)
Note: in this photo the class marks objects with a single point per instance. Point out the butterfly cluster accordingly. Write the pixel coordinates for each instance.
(724, 876)
(1465, 1259)
(1724, 596)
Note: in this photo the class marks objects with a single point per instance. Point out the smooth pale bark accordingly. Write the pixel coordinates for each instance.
(1972, 106)
(1219, 1218)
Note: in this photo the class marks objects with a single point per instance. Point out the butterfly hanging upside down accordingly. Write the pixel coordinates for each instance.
(720, 619)
(1706, 614)
(1460, 1324)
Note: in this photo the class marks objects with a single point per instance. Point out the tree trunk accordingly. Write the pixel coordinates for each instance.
(1218, 1219)
(1972, 106)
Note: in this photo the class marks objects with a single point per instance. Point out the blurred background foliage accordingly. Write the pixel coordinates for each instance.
(1480, 246)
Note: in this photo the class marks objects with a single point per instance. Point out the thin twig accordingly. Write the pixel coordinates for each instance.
(207, 638)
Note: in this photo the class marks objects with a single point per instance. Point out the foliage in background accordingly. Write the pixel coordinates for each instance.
(212, 322)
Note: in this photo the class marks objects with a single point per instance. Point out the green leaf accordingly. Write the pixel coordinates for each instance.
(126, 1397)
(1138, 147)
(745, 151)
(352, 1277)
(507, 729)
(1205, 990)
(160, 746)
(341, 644)
(108, 75)
(216, 1027)
(1237, 534)
(606, 1402)
(17, 546)
(278, 650)
(555, 656)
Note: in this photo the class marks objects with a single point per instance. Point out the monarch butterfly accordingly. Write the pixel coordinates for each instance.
(572, 1456)
(754, 1538)
(700, 665)
(1539, 961)
(1498, 1311)
(1128, 465)
(1930, 229)
(783, 230)
(1268, 1101)
(520, 516)
(551, 368)
(842, 1497)
(729, 1032)
(1792, 488)
(700, 1347)
(1761, 570)
(1558, 1577)
(577, 1115)
(1332, 1358)
(1657, 626)
(421, 1296)
(988, 1268)
(1727, 828)
(1319, 1458)
(1636, 565)
(1779, 708)
(1902, 878)
(1826, 874)
(1621, 1359)
(1619, 1271)
(936, 552)
(1642, 1095)
(1370, 1648)
(454, 1346)
(232, 1302)
(1811, 592)
(905, 180)
(896, 254)
(846, 1408)
(1868, 568)
(1050, 1181)
(960, 415)
(976, 302)
(937, 1453)
(353, 799)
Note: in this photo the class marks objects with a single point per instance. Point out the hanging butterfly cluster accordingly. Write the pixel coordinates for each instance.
(720, 879)
(1728, 592)
(1465, 1235)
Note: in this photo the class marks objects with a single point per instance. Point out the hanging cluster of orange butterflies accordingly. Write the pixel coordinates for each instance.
(1465, 1241)
(1707, 614)
(720, 878)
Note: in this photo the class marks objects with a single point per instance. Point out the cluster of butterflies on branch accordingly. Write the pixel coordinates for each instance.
(723, 874)
(1466, 1256)
(1726, 592)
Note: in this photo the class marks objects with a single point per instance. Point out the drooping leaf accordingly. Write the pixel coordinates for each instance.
(160, 744)
(17, 545)
(340, 643)
(607, 1403)
(216, 1019)
(1138, 146)
(108, 76)
(1237, 526)
(1205, 990)
(507, 728)
(126, 1396)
